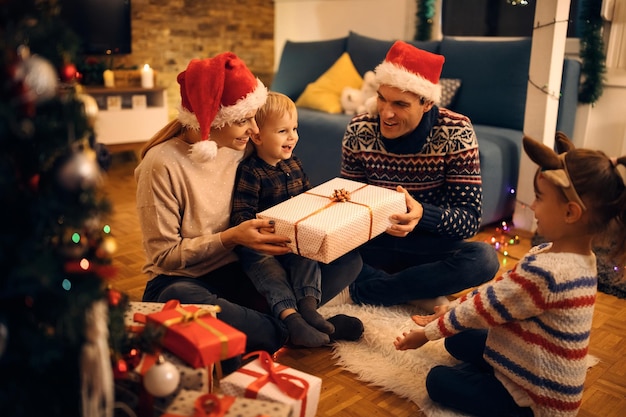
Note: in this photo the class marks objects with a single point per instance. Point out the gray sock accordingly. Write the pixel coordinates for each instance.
(307, 307)
(302, 334)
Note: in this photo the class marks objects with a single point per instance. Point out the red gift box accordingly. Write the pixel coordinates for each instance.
(195, 336)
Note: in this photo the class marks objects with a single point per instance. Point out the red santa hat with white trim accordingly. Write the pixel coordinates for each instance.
(216, 92)
(409, 68)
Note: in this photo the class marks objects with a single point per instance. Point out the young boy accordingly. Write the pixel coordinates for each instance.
(272, 174)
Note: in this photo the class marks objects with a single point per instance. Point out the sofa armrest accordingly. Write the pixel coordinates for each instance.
(568, 102)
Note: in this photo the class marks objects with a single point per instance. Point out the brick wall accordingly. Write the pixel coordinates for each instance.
(168, 33)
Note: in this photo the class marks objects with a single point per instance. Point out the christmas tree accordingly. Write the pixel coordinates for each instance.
(59, 321)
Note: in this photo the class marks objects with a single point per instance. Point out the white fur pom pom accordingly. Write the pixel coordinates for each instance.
(203, 151)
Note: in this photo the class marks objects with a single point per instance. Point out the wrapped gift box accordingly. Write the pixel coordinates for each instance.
(323, 229)
(185, 403)
(265, 380)
(195, 335)
(196, 379)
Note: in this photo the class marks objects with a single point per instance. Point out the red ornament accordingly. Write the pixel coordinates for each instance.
(114, 297)
(69, 72)
(120, 370)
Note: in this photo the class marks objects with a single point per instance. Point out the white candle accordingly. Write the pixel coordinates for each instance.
(147, 77)
(109, 78)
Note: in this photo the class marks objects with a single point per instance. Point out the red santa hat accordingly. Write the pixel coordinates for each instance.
(411, 69)
(215, 92)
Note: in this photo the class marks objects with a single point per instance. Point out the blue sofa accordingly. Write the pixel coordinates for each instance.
(494, 78)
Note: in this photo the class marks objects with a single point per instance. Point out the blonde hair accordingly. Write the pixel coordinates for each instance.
(169, 131)
(276, 104)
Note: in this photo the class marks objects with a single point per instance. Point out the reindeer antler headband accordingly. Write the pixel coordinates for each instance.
(554, 166)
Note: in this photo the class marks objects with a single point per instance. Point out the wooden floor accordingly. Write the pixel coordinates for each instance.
(342, 394)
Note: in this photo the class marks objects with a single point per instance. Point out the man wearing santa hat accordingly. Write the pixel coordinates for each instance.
(185, 183)
(430, 153)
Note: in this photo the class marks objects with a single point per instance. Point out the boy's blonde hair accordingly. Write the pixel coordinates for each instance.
(276, 104)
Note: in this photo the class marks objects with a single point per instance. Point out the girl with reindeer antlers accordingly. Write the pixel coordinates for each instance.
(523, 338)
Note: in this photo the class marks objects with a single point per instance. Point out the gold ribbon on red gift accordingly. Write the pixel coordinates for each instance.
(285, 382)
(338, 196)
(188, 317)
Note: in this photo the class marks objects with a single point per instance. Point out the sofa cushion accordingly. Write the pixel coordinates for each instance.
(449, 87)
(495, 79)
(367, 53)
(303, 62)
(324, 94)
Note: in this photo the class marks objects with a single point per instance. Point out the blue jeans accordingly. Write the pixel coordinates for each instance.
(283, 279)
(398, 270)
(471, 386)
(263, 332)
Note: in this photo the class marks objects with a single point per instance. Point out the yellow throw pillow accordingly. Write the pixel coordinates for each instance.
(325, 93)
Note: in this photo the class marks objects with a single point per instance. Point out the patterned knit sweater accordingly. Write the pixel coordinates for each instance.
(539, 319)
(438, 164)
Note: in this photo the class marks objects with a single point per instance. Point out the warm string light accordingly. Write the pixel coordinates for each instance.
(546, 88)
(504, 238)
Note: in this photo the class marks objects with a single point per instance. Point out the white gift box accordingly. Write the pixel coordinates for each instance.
(252, 381)
(323, 229)
(183, 406)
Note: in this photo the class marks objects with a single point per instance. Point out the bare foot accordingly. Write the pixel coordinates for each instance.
(411, 340)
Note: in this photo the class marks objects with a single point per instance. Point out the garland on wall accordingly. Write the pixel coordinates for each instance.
(591, 52)
(424, 22)
(591, 44)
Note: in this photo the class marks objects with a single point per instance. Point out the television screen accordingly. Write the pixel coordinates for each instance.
(104, 26)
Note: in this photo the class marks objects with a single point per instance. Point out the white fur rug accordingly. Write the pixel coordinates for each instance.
(375, 360)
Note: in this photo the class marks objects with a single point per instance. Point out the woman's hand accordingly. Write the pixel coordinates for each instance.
(257, 234)
(404, 223)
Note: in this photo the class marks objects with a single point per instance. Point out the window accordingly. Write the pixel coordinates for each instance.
(496, 18)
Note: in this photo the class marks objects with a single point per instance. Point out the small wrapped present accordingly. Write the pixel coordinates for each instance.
(265, 380)
(195, 335)
(335, 217)
(196, 404)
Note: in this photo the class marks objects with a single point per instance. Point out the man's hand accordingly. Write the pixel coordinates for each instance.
(404, 223)
(424, 320)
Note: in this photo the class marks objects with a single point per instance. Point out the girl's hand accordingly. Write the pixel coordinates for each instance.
(404, 223)
(424, 320)
(414, 339)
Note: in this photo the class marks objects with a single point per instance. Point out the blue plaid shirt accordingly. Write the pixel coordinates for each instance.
(259, 186)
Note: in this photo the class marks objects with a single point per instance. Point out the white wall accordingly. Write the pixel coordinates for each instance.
(310, 20)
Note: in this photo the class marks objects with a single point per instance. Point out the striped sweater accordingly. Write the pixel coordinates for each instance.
(539, 318)
(438, 164)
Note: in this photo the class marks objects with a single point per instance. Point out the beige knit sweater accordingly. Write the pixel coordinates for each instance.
(183, 206)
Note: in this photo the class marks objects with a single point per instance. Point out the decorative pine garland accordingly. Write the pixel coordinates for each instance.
(591, 52)
(591, 45)
(424, 22)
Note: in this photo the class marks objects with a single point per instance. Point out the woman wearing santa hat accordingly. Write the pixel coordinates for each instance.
(185, 183)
